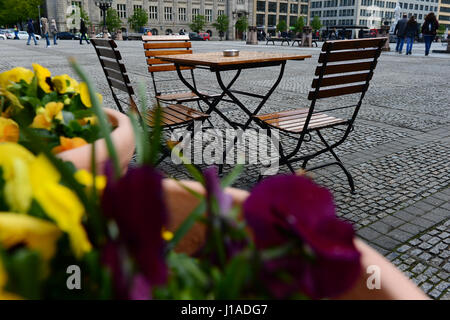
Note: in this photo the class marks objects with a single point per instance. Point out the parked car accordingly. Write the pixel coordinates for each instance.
(67, 36)
(194, 36)
(205, 36)
(2, 36)
(23, 35)
(100, 35)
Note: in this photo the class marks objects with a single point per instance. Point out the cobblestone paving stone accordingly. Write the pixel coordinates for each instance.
(398, 153)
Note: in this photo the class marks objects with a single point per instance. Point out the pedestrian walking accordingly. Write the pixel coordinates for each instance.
(429, 30)
(83, 30)
(30, 30)
(411, 32)
(54, 31)
(16, 33)
(45, 30)
(400, 31)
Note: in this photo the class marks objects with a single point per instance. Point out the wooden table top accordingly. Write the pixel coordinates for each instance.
(216, 59)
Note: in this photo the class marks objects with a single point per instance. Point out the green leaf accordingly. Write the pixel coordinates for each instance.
(232, 177)
(237, 272)
(186, 225)
(24, 269)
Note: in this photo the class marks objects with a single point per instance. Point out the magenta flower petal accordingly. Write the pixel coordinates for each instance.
(136, 203)
(140, 289)
(290, 208)
(214, 190)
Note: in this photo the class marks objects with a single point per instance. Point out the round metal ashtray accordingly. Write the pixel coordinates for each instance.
(231, 53)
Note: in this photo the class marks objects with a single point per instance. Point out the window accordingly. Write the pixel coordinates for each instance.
(136, 7)
(195, 12)
(272, 20)
(208, 15)
(182, 14)
(122, 10)
(261, 6)
(168, 13)
(153, 12)
(220, 12)
(272, 7)
(260, 20)
(294, 8)
(283, 7)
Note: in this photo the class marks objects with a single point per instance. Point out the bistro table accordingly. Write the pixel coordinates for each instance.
(218, 63)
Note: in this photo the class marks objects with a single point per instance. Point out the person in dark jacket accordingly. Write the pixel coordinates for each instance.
(83, 30)
(411, 32)
(30, 30)
(429, 30)
(400, 31)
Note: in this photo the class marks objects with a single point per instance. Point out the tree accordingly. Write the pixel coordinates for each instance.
(113, 21)
(316, 24)
(17, 11)
(198, 23)
(221, 25)
(138, 20)
(242, 24)
(299, 24)
(282, 26)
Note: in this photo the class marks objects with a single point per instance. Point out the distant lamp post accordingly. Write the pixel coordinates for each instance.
(40, 25)
(104, 6)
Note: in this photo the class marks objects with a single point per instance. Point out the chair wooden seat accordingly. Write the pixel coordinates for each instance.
(294, 121)
(183, 96)
(175, 115)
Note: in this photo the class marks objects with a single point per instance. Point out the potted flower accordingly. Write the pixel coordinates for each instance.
(59, 110)
(126, 232)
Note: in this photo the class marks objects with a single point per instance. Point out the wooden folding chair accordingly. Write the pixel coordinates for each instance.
(170, 45)
(346, 67)
(173, 115)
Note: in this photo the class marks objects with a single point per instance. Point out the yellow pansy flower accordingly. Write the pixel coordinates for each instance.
(44, 116)
(92, 120)
(85, 97)
(15, 75)
(68, 144)
(27, 177)
(15, 161)
(59, 203)
(36, 234)
(14, 101)
(42, 75)
(86, 178)
(9, 130)
(65, 84)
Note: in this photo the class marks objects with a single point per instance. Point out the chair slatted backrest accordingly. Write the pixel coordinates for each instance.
(347, 66)
(115, 71)
(165, 45)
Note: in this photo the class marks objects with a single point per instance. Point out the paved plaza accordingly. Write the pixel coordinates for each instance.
(398, 154)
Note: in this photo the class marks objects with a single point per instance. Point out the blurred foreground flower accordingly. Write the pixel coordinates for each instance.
(291, 209)
(136, 203)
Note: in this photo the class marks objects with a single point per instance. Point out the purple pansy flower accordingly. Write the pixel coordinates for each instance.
(214, 191)
(288, 208)
(136, 203)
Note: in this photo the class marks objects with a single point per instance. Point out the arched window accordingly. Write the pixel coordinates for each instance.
(155, 32)
(168, 31)
(210, 32)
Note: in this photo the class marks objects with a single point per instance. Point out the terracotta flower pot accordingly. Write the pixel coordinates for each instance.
(394, 284)
(123, 140)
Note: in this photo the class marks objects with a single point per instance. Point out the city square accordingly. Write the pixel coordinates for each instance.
(398, 152)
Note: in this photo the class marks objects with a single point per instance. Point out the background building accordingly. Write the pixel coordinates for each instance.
(444, 13)
(268, 13)
(370, 13)
(165, 16)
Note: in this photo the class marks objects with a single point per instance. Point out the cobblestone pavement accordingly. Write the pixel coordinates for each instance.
(398, 153)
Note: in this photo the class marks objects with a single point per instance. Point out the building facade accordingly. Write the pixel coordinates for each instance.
(370, 13)
(268, 13)
(444, 13)
(165, 16)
